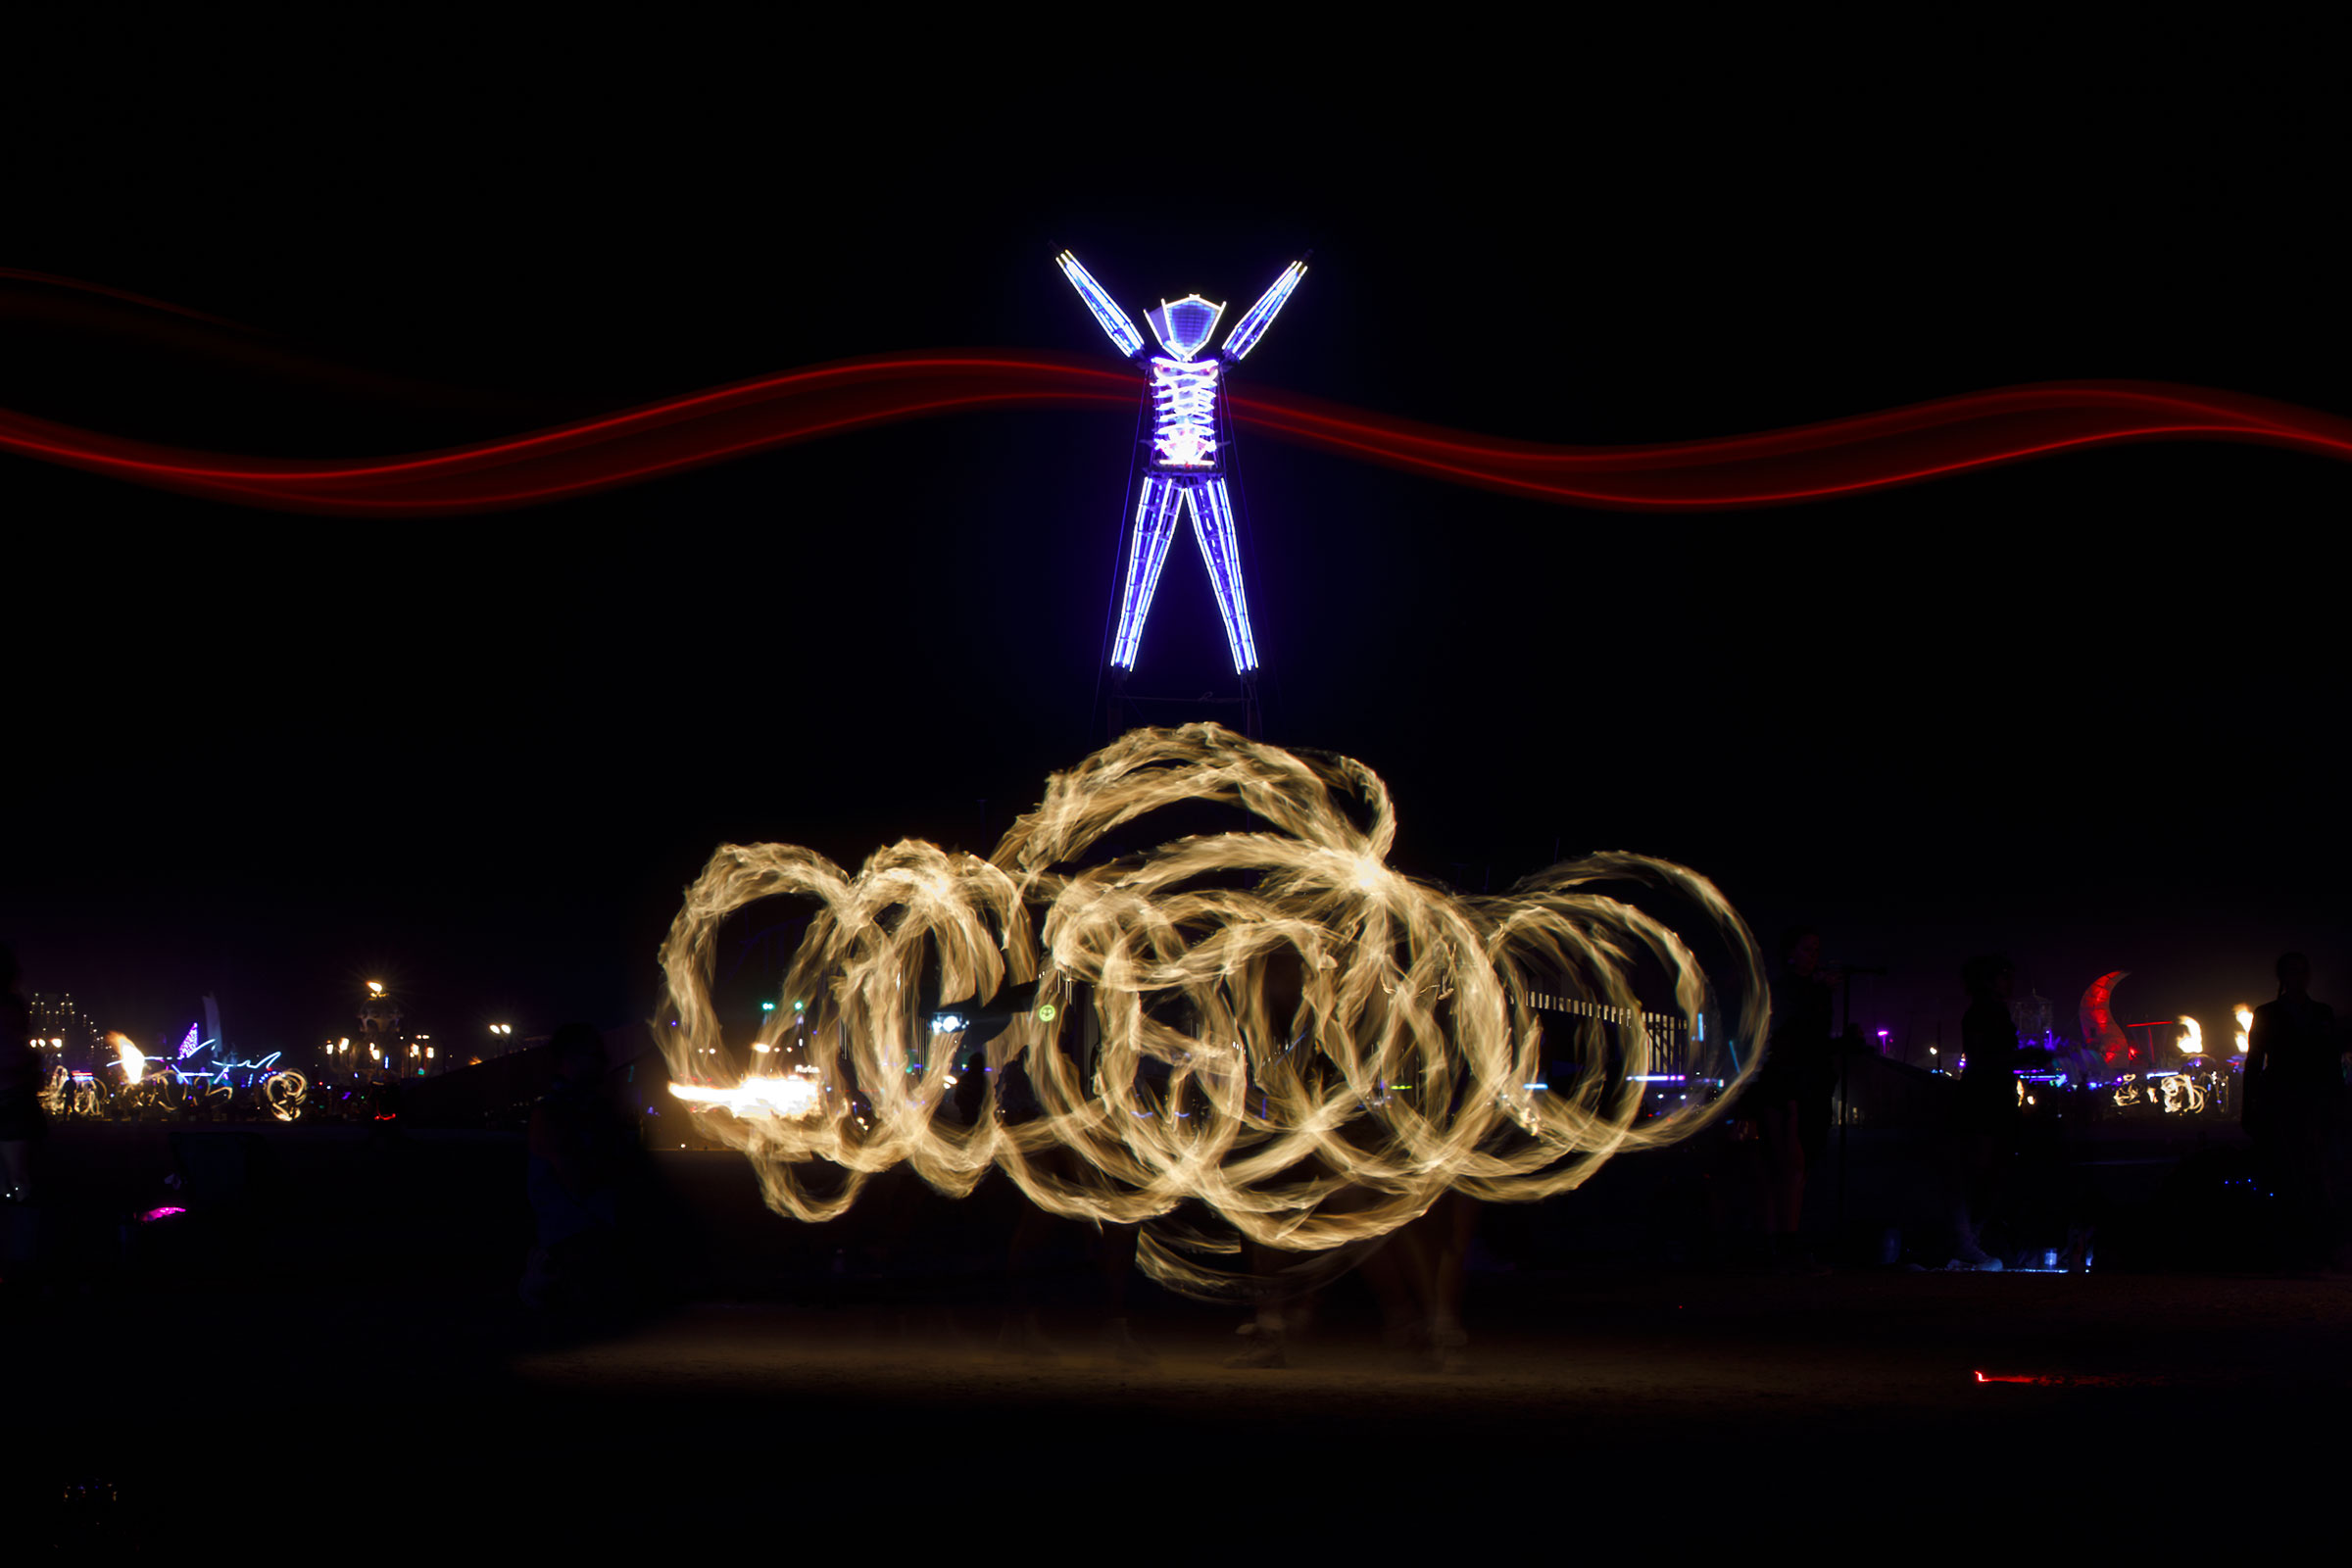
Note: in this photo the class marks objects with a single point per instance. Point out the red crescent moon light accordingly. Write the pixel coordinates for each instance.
(2099, 1031)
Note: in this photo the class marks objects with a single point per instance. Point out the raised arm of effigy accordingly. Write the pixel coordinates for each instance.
(1252, 327)
(1114, 320)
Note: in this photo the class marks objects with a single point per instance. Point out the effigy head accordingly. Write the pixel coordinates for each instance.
(1274, 1024)
(1185, 327)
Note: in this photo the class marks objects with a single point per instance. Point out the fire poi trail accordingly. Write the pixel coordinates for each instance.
(1273, 1024)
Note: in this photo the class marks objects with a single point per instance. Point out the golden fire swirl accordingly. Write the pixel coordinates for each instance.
(282, 1092)
(1273, 1028)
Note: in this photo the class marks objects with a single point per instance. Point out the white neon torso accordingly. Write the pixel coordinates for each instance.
(1184, 414)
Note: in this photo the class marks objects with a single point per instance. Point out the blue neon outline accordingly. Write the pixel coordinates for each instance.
(1252, 327)
(1183, 402)
(1146, 555)
(1108, 313)
(1163, 324)
(1220, 548)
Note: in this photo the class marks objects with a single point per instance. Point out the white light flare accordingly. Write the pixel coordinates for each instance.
(793, 1096)
(129, 1057)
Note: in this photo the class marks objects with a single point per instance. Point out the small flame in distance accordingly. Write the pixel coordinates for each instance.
(129, 1057)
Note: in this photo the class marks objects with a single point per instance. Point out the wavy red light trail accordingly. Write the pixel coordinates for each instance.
(1835, 457)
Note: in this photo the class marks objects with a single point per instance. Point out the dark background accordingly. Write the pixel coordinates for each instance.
(2086, 709)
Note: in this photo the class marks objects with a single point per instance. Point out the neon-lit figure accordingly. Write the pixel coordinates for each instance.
(1184, 471)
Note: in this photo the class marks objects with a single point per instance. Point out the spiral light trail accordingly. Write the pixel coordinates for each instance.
(1272, 1025)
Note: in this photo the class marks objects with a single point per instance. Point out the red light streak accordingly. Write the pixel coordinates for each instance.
(18, 275)
(597, 454)
(1839, 457)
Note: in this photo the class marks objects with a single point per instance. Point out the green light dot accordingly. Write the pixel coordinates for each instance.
(1045, 1013)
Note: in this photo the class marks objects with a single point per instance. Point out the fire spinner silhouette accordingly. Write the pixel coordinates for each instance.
(1184, 471)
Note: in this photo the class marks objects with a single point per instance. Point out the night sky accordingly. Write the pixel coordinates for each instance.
(2085, 709)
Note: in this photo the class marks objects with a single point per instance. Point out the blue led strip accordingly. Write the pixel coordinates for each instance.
(1184, 471)
(1106, 310)
(1184, 327)
(1155, 526)
(1212, 525)
(1252, 327)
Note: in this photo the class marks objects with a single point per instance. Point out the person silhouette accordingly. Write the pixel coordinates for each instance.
(580, 1149)
(2294, 1095)
(23, 1126)
(1788, 1101)
(21, 1073)
(1991, 1118)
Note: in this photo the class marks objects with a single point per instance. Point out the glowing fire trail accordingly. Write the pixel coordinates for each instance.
(1259, 999)
(793, 1096)
(282, 1092)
